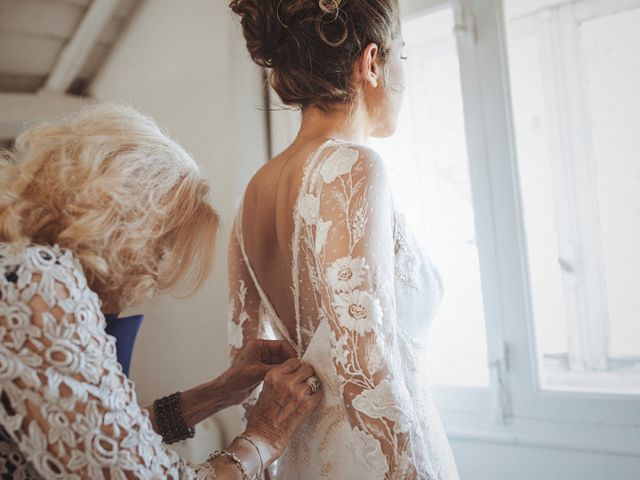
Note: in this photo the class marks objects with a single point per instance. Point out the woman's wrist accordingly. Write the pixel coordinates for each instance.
(246, 454)
(169, 419)
(200, 402)
(255, 448)
(270, 444)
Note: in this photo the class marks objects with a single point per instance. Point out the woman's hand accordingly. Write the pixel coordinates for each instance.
(285, 402)
(235, 385)
(251, 365)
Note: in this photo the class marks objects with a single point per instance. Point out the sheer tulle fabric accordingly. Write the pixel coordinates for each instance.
(363, 295)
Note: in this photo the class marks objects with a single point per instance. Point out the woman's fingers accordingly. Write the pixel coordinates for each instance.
(291, 362)
(292, 365)
(278, 351)
(285, 402)
(271, 352)
(304, 372)
(303, 389)
(288, 367)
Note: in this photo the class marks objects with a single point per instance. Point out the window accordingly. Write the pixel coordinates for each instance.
(428, 165)
(576, 104)
(546, 203)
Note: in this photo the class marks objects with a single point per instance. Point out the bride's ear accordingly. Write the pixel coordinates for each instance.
(368, 67)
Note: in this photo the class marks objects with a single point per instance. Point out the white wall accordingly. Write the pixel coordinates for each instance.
(184, 63)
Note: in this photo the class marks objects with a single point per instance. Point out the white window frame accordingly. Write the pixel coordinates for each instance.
(514, 409)
(557, 32)
(527, 413)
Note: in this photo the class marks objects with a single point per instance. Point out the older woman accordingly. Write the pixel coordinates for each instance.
(96, 213)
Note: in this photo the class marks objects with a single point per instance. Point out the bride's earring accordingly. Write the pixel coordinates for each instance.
(373, 80)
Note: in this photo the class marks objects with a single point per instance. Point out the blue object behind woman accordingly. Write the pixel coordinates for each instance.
(125, 331)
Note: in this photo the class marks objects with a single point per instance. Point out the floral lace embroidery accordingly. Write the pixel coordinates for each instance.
(344, 210)
(407, 262)
(238, 315)
(67, 410)
(348, 257)
(12, 462)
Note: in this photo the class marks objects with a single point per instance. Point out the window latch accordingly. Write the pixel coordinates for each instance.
(465, 22)
(499, 368)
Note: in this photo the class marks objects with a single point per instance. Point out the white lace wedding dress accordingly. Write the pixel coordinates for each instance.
(363, 296)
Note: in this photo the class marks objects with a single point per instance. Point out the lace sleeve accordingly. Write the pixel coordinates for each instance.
(351, 240)
(65, 403)
(244, 304)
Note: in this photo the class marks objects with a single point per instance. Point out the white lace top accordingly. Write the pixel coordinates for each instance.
(363, 295)
(66, 409)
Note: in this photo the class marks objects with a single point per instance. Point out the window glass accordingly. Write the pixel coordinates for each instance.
(574, 70)
(427, 160)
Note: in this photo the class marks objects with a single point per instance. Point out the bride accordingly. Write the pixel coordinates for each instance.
(320, 257)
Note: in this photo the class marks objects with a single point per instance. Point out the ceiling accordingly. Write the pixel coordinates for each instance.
(36, 36)
(50, 51)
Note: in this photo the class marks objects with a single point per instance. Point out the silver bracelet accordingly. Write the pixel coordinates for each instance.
(247, 439)
(234, 458)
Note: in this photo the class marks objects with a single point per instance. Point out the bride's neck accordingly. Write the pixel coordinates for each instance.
(349, 123)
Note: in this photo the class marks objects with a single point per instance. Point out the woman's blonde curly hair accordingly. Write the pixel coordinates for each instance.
(128, 201)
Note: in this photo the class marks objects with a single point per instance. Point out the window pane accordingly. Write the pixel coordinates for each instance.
(574, 71)
(428, 164)
(612, 66)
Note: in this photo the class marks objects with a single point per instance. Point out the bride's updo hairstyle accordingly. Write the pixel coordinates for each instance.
(128, 201)
(310, 46)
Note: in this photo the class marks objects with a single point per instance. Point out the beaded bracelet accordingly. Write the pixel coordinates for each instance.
(234, 458)
(170, 421)
(247, 439)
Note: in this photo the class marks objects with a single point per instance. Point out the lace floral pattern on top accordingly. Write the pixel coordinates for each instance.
(67, 410)
(352, 267)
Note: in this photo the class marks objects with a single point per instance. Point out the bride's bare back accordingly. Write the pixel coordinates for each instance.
(267, 224)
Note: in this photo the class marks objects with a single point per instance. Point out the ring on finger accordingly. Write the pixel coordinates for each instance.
(313, 383)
